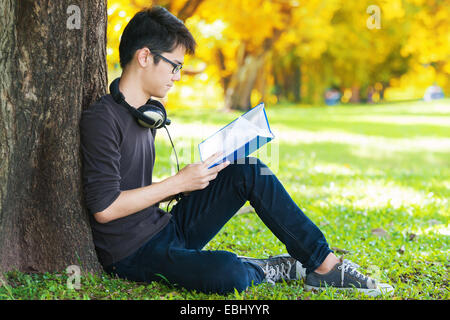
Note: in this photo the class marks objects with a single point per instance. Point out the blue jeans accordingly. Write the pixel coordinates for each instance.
(175, 253)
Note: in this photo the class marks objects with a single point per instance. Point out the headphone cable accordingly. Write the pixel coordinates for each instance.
(180, 195)
(173, 147)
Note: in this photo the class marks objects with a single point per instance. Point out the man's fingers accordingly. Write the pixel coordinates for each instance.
(219, 167)
(211, 159)
(223, 165)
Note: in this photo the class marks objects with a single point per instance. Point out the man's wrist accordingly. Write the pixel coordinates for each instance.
(175, 184)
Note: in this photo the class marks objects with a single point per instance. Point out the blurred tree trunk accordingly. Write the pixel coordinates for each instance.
(287, 77)
(250, 64)
(185, 11)
(241, 83)
(188, 9)
(355, 98)
(52, 66)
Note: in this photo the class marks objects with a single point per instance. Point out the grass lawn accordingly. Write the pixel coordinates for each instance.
(375, 179)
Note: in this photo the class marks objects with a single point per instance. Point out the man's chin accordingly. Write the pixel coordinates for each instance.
(162, 94)
(159, 95)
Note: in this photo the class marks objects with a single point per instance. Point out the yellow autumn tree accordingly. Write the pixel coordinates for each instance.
(297, 71)
(427, 46)
(249, 29)
(271, 50)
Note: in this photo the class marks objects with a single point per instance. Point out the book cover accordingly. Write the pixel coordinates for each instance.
(239, 138)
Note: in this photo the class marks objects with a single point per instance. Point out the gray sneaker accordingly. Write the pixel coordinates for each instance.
(345, 276)
(279, 268)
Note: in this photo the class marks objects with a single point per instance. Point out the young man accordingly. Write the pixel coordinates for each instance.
(137, 240)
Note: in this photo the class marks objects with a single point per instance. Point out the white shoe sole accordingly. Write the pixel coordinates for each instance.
(383, 288)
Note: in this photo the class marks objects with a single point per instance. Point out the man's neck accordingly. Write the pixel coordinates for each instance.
(132, 91)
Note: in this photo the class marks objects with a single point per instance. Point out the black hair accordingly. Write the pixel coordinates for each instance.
(157, 29)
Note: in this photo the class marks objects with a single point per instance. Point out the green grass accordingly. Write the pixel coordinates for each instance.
(351, 169)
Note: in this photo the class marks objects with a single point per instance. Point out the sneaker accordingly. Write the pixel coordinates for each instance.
(345, 276)
(279, 268)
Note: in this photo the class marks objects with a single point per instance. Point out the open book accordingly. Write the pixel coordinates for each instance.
(239, 138)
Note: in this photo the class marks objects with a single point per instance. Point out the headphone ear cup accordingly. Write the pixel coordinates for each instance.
(158, 105)
(152, 116)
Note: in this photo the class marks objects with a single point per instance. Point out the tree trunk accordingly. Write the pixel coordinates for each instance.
(239, 90)
(355, 98)
(286, 72)
(52, 66)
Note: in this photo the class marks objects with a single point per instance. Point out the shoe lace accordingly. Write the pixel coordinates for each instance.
(354, 265)
(350, 267)
(277, 272)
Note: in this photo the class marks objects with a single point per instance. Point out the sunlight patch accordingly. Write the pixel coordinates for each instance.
(380, 195)
(333, 169)
(443, 229)
(373, 143)
(375, 195)
(399, 120)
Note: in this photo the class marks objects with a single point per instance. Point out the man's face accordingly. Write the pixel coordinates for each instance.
(158, 79)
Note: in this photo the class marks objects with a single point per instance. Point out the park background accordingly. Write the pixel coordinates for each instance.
(354, 92)
(370, 166)
(356, 104)
(294, 51)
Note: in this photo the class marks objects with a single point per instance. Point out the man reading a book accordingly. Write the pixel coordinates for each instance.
(137, 240)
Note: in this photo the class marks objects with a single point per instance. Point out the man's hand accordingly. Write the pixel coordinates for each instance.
(196, 176)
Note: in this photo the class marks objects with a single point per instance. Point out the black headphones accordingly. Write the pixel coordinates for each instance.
(151, 115)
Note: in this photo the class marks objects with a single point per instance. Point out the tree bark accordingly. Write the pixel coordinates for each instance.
(50, 71)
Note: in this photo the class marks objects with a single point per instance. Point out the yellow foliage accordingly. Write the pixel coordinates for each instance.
(330, 37)
(119, 13)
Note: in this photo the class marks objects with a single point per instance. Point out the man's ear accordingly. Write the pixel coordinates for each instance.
(143, 57)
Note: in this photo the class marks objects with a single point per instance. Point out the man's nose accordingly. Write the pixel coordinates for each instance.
(176, 76)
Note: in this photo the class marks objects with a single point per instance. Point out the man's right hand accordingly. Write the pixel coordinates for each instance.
(196, 176)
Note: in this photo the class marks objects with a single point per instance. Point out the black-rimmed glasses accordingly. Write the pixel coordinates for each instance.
(176, 67)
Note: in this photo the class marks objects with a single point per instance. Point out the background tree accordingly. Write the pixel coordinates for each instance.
(251, 28)
(287, 50)
(359, 56)
(297, 70)
(427, 45)
(52, 66)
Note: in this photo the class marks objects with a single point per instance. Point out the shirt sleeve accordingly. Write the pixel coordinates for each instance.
(100, 147)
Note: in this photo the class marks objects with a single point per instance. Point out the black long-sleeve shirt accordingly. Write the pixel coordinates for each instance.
(118, 154)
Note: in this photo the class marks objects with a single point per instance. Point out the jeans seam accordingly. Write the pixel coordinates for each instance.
(298, 242)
